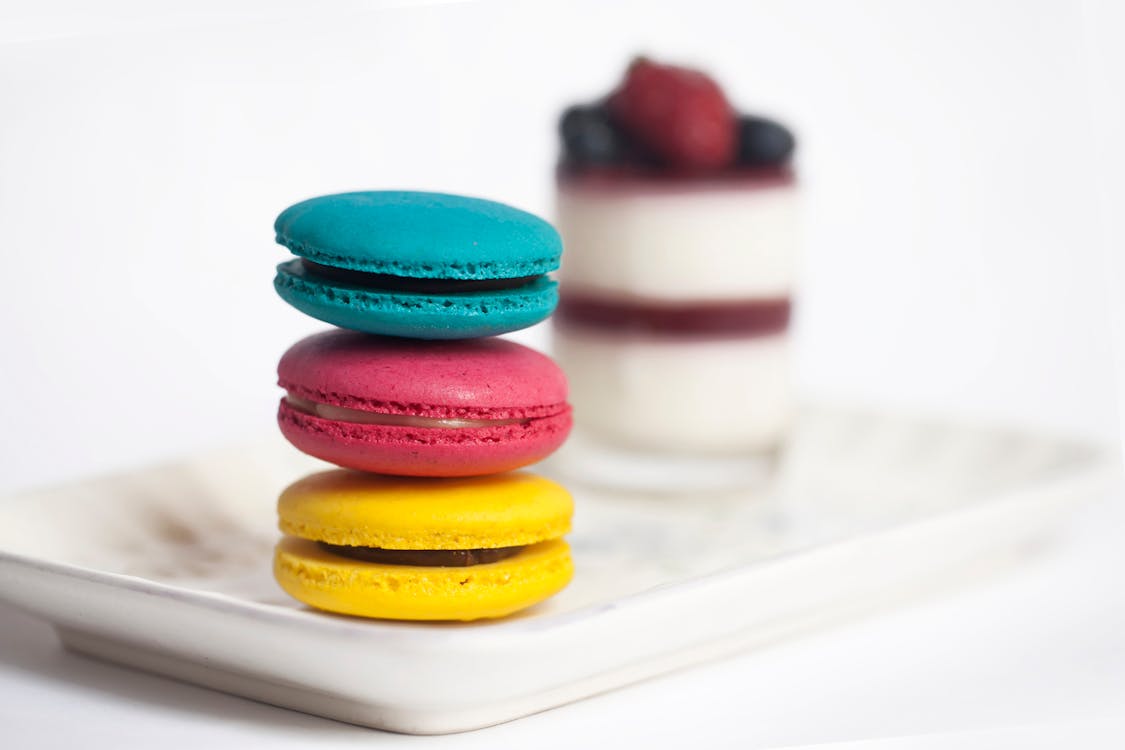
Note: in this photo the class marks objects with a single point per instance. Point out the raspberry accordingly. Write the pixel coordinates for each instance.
(678, 114)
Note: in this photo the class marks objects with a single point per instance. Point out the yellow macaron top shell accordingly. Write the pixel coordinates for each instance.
(370, 510)
(320, 579)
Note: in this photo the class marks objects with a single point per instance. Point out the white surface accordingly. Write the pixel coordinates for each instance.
(171, 566)
(669, 394)
(977, 661)
(727, 242)
(954, 261)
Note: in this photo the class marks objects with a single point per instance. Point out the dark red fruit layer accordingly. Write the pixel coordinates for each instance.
(760, 317)
(630, 176)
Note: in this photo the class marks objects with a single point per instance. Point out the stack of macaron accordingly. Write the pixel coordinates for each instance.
(425, 411)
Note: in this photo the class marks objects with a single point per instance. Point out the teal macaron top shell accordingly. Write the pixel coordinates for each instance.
(420, 235)
(380, 247)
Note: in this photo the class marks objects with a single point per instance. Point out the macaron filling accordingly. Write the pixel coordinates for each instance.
(429, 558)
(358, 416)
(405, 284)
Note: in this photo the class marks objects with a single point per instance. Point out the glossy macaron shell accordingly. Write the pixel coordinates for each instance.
(508, 403)
(410, 236)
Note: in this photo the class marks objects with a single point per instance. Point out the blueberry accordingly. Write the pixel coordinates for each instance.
(763, 142)
(588, 136)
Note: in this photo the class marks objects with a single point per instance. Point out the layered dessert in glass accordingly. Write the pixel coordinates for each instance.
(680, 222)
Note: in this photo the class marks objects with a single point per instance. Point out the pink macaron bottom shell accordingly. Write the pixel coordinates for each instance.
(424, 451)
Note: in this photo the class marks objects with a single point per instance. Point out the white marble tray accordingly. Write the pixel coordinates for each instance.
(167, 569)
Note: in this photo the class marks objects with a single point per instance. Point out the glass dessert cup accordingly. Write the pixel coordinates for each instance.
(675, 304)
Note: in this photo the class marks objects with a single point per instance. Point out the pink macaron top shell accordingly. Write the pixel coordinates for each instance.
(476, 378)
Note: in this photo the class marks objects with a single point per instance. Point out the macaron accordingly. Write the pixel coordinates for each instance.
(417, 265)
(423, 549)
(421, 408)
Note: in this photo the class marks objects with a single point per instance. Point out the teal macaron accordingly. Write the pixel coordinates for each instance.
(417, 265)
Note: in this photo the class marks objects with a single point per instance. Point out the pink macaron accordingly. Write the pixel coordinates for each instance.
(420, 408)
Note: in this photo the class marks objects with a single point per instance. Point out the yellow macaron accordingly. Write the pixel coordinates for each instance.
(423, 549)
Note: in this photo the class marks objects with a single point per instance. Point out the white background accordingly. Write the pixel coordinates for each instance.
(962, 179)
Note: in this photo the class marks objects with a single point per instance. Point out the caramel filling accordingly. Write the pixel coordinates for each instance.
(390, 283)
(358, 416)
(431, 558)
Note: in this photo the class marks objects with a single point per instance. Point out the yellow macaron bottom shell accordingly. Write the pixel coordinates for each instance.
(320, 579)
(356, 509)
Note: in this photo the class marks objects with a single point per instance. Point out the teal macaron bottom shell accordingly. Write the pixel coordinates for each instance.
(464, 315)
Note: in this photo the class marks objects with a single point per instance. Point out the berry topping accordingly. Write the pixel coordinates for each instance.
(763, 142)
(590, 137)
(670, 122)
(678, 114)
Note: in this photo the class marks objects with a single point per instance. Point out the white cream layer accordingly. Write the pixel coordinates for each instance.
(690, 244)
(668, 395)
(358, 416)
